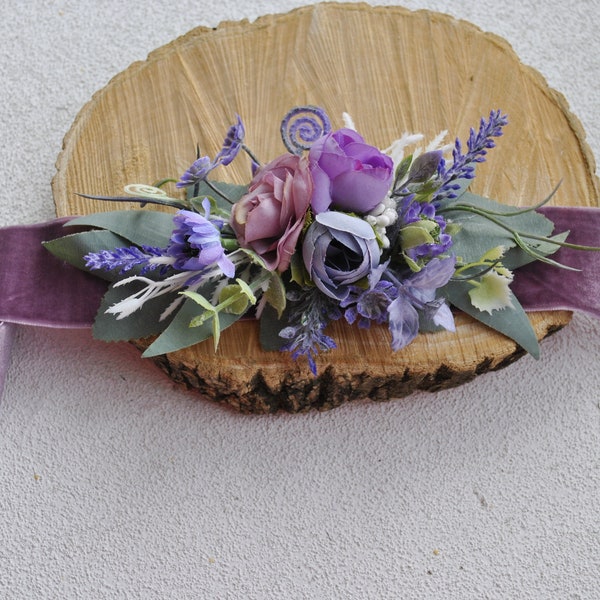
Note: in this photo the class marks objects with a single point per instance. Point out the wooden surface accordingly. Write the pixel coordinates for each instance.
(393, 71)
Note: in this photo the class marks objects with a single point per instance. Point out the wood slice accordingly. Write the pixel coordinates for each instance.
(394, 71)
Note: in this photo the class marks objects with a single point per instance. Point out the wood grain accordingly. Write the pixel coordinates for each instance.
(394, 71)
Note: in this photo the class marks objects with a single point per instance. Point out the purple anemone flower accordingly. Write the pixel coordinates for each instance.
(196, 243)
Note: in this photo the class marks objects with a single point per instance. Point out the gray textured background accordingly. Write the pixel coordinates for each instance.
(115, 483)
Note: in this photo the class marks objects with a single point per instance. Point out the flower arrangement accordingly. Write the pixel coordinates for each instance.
(334, 228)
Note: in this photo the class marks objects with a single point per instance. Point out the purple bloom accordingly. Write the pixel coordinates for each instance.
(196, 243)
(370, 304)
(198, 171)
(417, 294)
(306, 332)
(348, 174)
(231, 144)
(270, 217)
(463, 165)
(339, 250)
(203, 165)
(412, 212)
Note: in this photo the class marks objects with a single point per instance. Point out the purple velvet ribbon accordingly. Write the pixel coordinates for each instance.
(36, 288)
(540, 286)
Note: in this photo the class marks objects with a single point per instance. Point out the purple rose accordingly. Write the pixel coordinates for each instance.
(270, 217)
(339, 250)
(348, 174)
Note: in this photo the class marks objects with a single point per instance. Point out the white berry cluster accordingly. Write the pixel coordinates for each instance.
(381, 217)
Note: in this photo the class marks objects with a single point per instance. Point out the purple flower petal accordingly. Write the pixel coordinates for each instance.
(404, 322)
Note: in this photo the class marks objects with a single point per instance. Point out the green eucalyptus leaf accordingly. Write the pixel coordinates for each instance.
(275, 293)
(414, 235)
(231, 191)
(238, 301)
(517, 257)
(140, 324)
(270, 326)
(512, 322)
(72, 248)
(180, 335)
(477, 234)
(139, 227)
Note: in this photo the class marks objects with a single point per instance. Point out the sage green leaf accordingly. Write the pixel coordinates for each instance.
(137, 325)
(139, 227)
(402, 169)
(412, 236)
(275, 293)
(270, 326)
(237, 302)
(180, 335)
(517, 257)
(72, 248)
(512, 322)
(477, 234)
(231, 191)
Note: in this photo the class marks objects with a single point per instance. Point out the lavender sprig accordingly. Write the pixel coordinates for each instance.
(125, 259)
(463, 165)
(308, 320)
(203, 165)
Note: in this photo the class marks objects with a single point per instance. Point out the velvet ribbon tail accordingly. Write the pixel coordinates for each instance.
(540, 286)
(36, 288)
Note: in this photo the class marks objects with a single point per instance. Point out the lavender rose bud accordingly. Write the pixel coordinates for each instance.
(339, 250)
(270, 217)
(348, 174)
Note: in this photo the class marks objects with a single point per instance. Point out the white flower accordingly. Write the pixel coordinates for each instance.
(492, 292)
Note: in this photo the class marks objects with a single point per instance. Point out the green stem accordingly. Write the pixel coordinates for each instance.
(218, 191)
(230, 244)
(162, 182)
(250, 154)
(512, 213)
(514, 232)
(487, 269)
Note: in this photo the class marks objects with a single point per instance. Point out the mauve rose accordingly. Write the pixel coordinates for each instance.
(348, 174)
(338, 251)
(270, 217)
